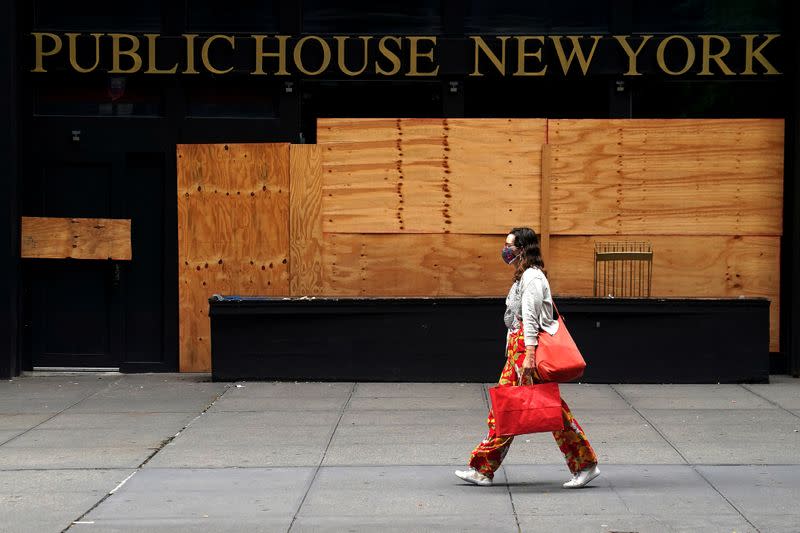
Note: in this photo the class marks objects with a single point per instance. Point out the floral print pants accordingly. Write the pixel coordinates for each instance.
(487, 456)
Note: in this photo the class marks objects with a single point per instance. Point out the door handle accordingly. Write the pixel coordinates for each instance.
(117, 275)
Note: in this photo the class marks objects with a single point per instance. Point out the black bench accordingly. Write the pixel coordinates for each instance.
(630, 340)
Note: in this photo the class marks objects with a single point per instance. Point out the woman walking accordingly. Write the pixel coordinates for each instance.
(529, 310)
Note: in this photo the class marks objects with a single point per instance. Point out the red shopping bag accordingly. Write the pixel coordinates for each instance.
(526, 409)
(557, 356)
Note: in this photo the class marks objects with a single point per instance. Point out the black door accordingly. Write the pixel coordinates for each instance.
(74, 312)
(98, 313)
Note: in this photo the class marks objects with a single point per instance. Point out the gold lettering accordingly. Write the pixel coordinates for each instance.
(632, 55)
(39, 49)
(750, 54)
(414, 55)
(116, 38)
(152, 63)
(499, 63)
(190, 37)
(708, 56)
(576, 51)
(690, 55)
(340, 53)
(280, 54)
(522, 55)
(298, 55)
(388, 54)
(73, 52)
(204, 53)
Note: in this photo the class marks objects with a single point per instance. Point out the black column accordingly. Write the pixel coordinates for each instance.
(791, 234)
(9, 212)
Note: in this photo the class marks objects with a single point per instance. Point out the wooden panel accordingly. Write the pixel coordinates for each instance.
(478, 176)
(687, 177)
(76, 238)
(306, 219)
(233, 232)
(683, 266)
(415, 265)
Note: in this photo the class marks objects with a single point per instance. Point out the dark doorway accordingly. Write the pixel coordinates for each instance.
(98, 314)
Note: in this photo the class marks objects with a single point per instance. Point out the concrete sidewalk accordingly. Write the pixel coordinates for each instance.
(104, 453)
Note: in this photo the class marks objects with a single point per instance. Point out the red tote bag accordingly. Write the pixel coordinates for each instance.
(526, 409)
(557, 356)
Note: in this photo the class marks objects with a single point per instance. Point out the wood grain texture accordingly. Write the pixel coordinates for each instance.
(660, 177)
(479, 176)
(306, 220)
(544, 209)
(76, 238)
(683, 266)
(414, 265)
(233, 233)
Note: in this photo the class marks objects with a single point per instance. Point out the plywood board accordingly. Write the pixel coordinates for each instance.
(661, 177)
(415, 265)
(233, 233)
(683, 266)
(479, 176)
(76, 238)
(306, 220)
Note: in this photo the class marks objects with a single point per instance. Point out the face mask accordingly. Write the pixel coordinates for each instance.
(508, 255)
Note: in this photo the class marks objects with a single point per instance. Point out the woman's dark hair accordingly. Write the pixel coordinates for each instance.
(527, 242)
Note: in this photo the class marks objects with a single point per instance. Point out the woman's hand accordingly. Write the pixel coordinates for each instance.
(529, 363)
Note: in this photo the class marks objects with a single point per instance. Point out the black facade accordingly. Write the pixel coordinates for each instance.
(103, 145)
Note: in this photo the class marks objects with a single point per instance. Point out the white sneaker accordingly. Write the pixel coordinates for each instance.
(582, 478)
(474, 477)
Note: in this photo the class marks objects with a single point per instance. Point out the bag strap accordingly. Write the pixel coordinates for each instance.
(558, 314)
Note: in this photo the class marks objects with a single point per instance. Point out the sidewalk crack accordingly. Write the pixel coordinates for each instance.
(776, 404)
(136, 470)
(511, 497)
(324, 454)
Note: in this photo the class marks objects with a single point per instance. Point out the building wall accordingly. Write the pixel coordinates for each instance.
(129, 126)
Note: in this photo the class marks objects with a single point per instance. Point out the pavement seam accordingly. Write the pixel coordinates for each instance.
(776, 404)
(616, 492)
(322, 459)
(485, 397)
(511, 498)
(136, 470)
(660, 433)
(691, 465)
(98, 391)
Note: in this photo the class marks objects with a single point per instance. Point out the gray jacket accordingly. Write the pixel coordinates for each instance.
(530, 304)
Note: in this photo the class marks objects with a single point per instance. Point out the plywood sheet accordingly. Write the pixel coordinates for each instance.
(659, 177)
(414, 265)
(233, 232)
(76, 238)
(479, 176)
(306, 220)
(683, 266)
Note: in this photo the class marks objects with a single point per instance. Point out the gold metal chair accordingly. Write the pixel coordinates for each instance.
(623, 269)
